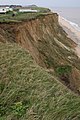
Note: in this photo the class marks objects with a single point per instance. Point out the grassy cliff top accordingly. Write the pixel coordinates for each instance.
(18, 17)
(28, 92)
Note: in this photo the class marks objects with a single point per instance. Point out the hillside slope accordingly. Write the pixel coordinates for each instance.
(37, 35)
(27, 92)
(48, 44)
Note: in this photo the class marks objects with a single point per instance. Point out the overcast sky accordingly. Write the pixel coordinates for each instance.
(50, 3)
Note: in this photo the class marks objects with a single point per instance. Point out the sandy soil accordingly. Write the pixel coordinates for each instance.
(72, 32)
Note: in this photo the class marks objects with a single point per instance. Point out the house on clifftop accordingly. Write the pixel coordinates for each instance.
(4, 10)
(25, 9)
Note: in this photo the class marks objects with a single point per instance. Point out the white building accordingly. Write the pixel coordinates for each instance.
(5, 9)
(26, 10)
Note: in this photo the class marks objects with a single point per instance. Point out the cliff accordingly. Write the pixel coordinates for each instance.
(36, 59)
(39, 36)
(48, 44)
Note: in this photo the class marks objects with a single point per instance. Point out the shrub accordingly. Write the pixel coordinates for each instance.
(64, 72)
(18, 109)
(64, 69)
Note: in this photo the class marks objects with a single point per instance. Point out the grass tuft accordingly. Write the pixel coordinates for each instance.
(28, 92)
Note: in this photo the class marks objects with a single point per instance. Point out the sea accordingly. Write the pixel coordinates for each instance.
(71, 14)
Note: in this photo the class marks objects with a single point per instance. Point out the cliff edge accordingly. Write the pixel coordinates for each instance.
(48, 44)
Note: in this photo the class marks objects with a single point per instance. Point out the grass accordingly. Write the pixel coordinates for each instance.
(7, 18)
(22, 16)
(42, 9)
(28, 92)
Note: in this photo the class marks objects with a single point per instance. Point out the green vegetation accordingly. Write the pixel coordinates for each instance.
(18, 17)
(64, 73)
(18, 109)
(49, 61)
(64, 69)
(41, 9)
(28, 92)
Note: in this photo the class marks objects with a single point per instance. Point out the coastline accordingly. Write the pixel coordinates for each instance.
(73, 31)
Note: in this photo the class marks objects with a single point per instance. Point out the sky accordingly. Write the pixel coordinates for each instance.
(47, 3)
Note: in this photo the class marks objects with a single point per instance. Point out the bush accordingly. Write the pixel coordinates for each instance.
(64, 69)
(64, 72)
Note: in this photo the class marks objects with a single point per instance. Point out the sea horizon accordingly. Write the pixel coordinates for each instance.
(69, 13)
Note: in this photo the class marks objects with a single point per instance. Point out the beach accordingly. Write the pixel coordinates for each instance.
(73, 32)
(69, 19)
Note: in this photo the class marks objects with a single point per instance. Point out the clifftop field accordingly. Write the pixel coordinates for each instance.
(18, 16)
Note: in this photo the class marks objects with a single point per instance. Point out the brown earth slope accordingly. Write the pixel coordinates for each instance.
(47, 43)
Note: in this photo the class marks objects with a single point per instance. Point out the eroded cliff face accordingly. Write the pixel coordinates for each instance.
(47, 42)
(39, 36)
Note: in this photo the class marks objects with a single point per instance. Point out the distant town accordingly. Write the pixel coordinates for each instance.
(7, 8)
